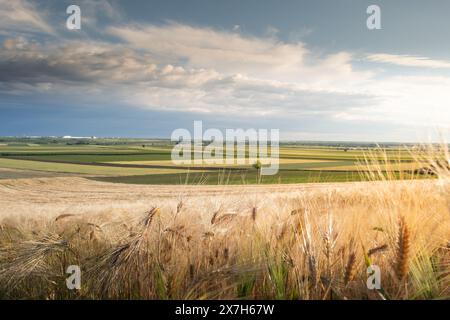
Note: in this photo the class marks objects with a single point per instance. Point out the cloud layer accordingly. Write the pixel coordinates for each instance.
(174, 67)
(409, 60)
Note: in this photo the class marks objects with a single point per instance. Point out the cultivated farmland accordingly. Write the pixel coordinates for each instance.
(142, 228)
(145, 162)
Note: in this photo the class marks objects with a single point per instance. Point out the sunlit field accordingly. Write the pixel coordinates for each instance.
(149, 162)
(225, 241)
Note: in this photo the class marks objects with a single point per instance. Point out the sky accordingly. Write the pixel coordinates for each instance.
(311, 69)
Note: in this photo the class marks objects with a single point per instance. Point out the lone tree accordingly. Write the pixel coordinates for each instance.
(257, 165)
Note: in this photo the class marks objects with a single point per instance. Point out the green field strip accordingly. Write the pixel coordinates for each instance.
(94, 158)
(83, 168)
(225, 178)
(315, 165)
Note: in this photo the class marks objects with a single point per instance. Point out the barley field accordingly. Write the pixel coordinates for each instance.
(296, 241)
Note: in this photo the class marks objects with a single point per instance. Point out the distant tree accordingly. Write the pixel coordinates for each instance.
(257, 165)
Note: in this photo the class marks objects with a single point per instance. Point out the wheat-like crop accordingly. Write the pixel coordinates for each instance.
(286, 245)
(403, 249)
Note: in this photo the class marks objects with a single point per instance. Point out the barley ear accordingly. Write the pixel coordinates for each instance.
(350, 269)
(403, 249)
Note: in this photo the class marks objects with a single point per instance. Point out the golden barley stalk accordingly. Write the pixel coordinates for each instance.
(403, 249)
(149, 217)
(213, 218)
(179, 206)
(350, 269)
(254, 213)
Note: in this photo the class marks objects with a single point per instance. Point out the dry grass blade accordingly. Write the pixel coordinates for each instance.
(225, 218)
(64, 216)
(377, 250)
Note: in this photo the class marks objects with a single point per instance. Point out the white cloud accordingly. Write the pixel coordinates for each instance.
(413, 100)
(22, 16)
(233, 53)
(183, 68)
(408, 60)
(204, 47)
